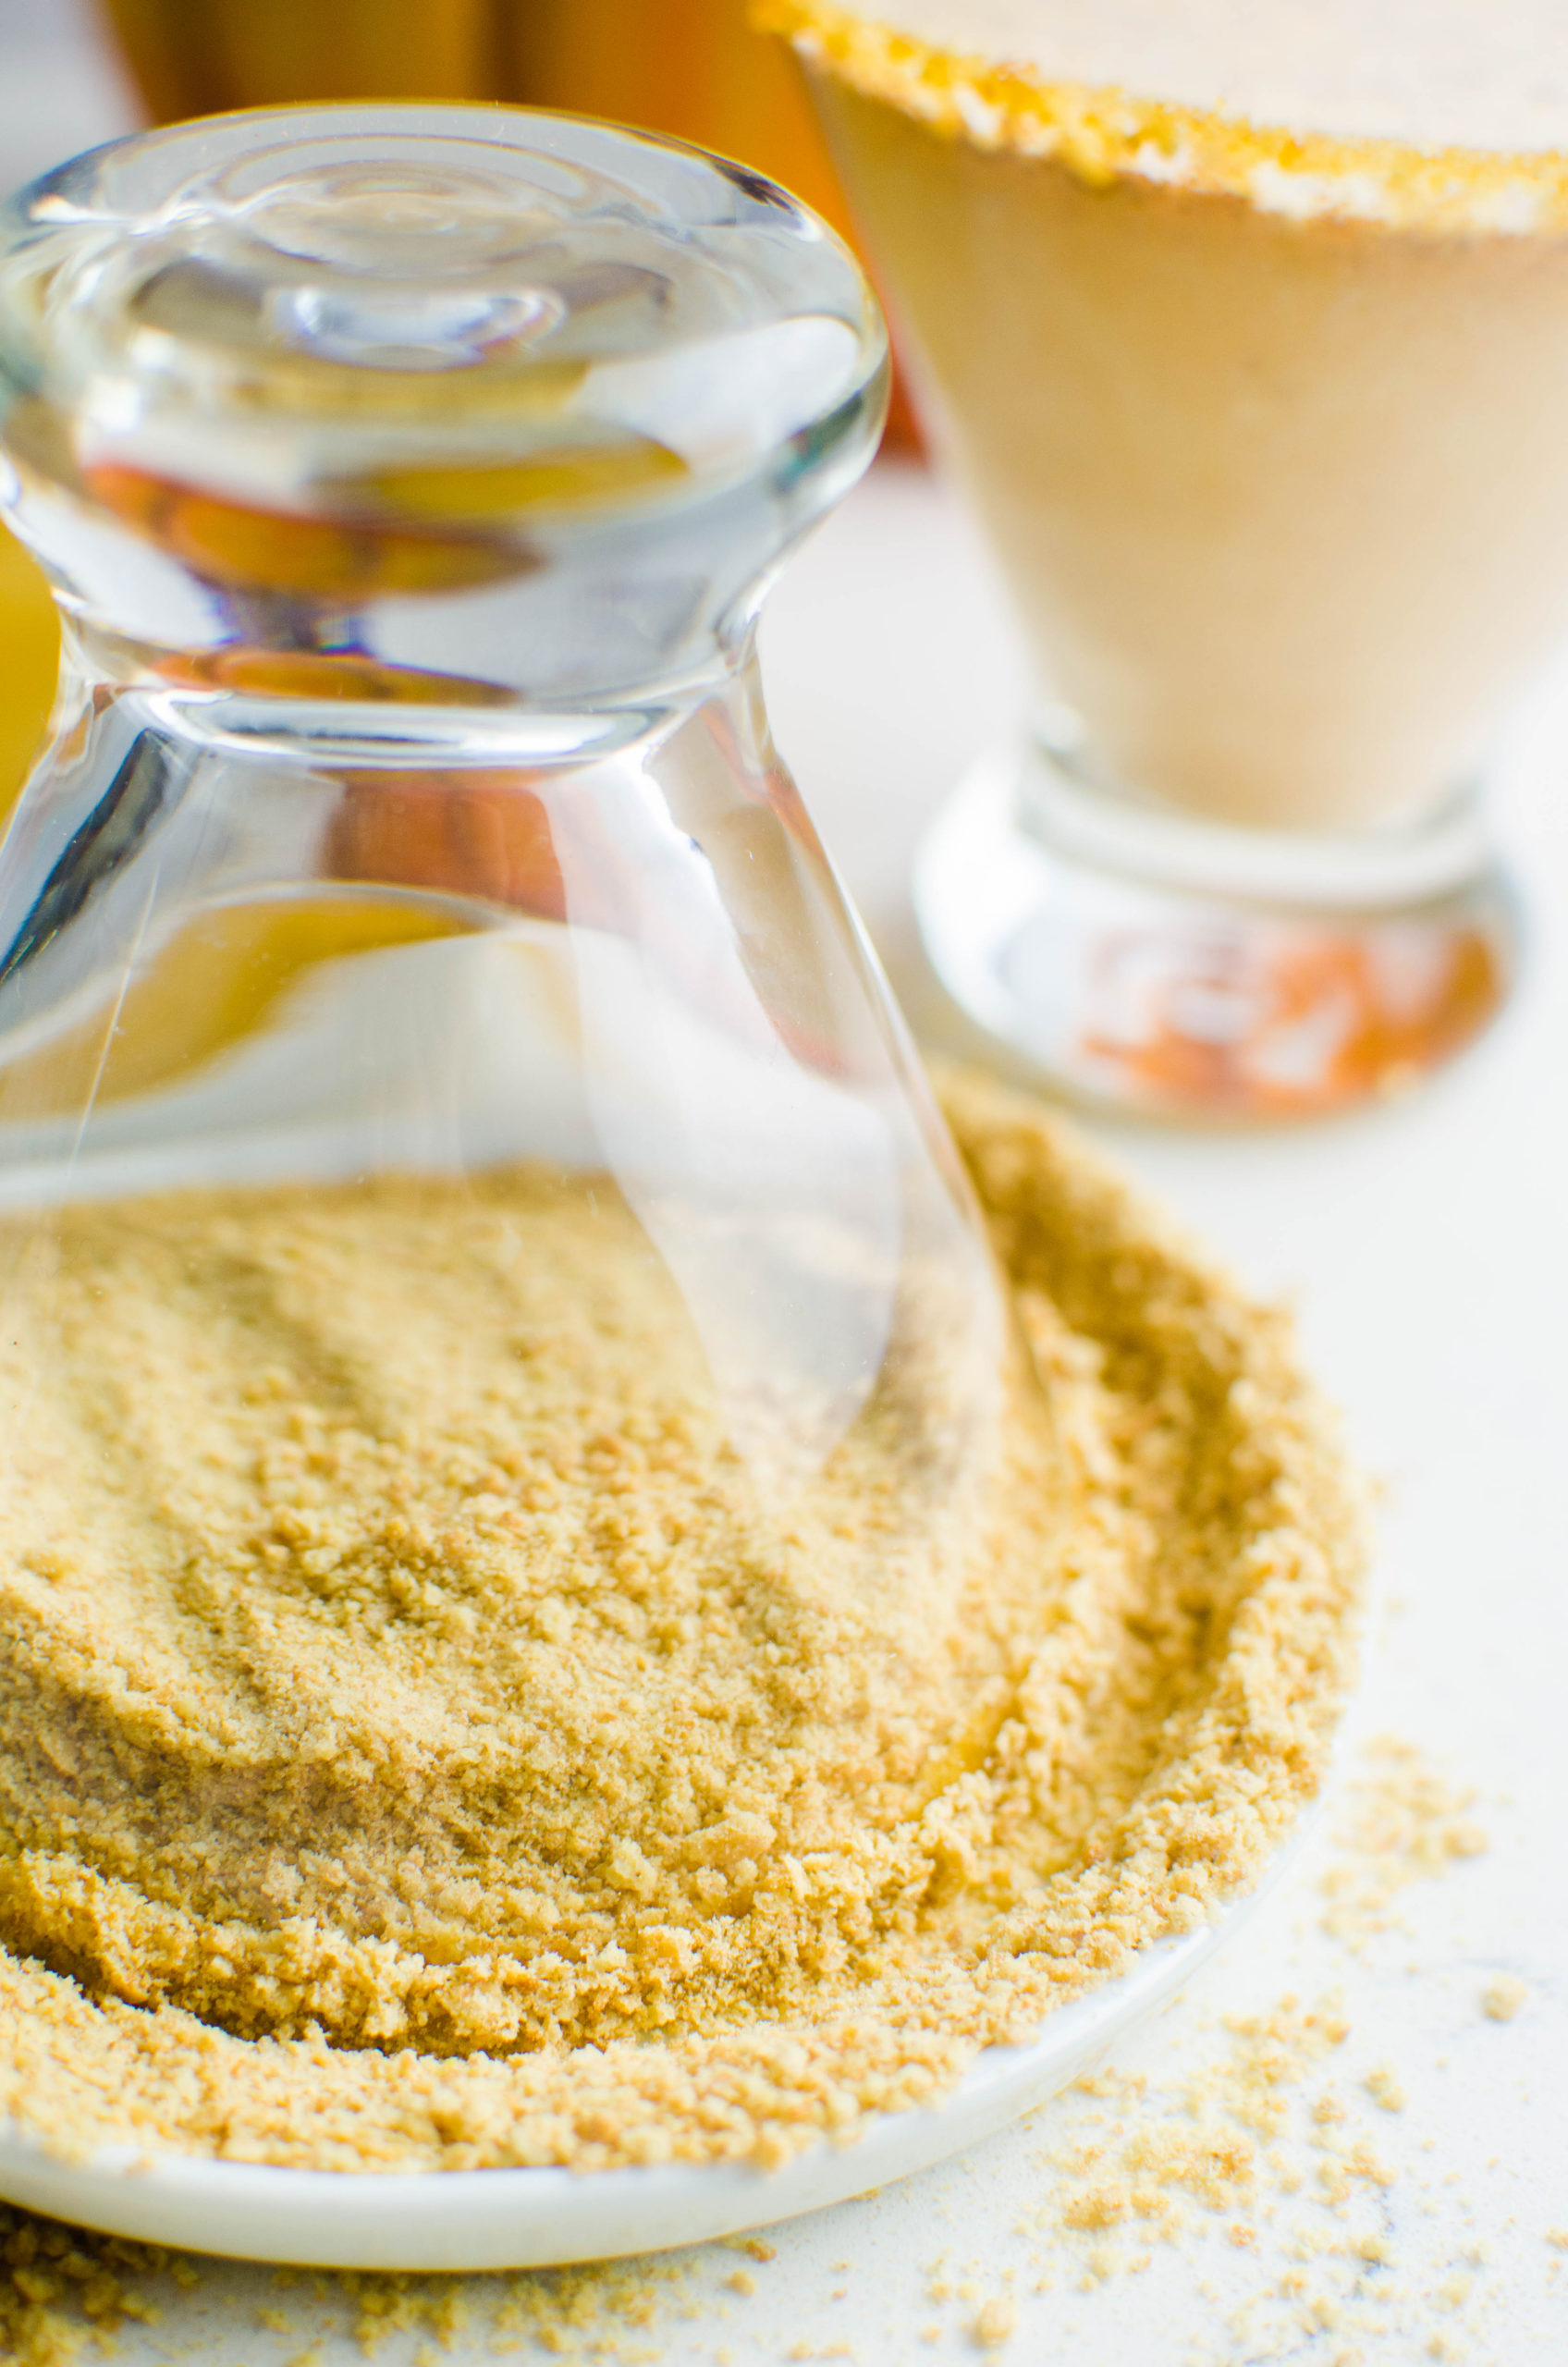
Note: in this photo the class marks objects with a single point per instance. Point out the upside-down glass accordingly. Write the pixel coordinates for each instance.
(410, 479)
(1265, 426)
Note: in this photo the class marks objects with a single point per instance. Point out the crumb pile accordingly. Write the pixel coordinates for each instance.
(398, 1649)
(417, 1747)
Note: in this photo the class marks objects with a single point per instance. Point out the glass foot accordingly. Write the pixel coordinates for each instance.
(1191, 970)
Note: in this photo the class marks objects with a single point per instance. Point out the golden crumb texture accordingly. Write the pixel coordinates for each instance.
(1104, 136)
(421, 1747)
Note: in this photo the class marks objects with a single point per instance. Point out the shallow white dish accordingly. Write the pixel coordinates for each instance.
(504, 2218)
(500, 2219)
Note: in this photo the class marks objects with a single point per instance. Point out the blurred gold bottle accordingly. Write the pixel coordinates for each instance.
(29, 663)
(200, 56)
(693, 68)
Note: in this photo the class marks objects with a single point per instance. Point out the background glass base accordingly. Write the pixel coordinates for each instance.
(1191, 970)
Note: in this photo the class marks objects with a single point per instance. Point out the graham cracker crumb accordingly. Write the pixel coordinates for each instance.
(995, 2323)
(1502, 1998)
(1384, 2087)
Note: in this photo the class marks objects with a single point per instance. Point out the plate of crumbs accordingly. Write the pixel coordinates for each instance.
(728, 1882)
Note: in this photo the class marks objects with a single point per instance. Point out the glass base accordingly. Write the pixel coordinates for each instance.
(1184, 969)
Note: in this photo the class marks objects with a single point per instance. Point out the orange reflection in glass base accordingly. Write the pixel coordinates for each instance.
(1292, 1020)
(1086, 942)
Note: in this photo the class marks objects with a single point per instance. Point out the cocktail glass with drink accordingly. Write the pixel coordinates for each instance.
(1246, 326)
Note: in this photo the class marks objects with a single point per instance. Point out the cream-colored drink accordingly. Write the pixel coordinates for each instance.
(1247, 326)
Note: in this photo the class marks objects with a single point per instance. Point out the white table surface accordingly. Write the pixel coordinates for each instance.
(1427, 1248)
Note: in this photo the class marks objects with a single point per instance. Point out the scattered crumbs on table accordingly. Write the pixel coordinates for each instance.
(996, 2322)
(1383, 2085)
(1403, 1822)
(1502, 1998)
(1260, 2150)
(59, 2283)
